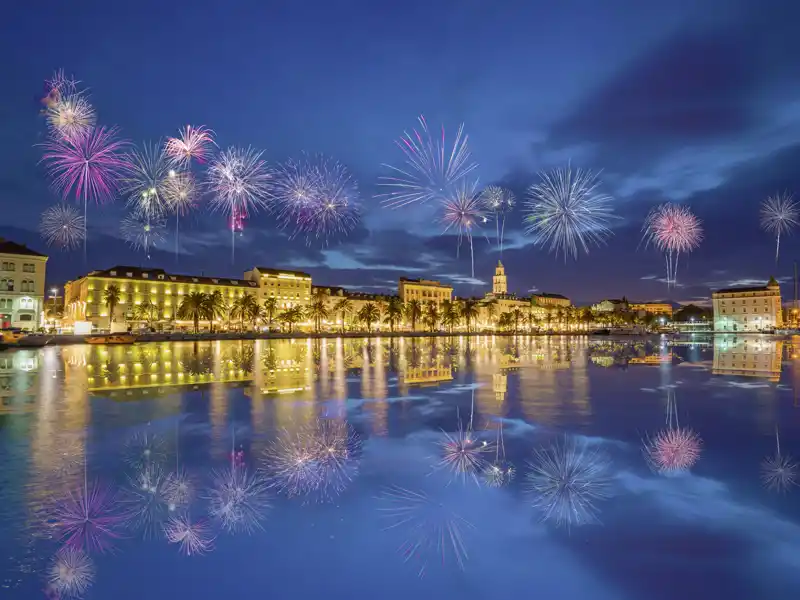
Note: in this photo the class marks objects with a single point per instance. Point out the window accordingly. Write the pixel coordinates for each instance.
(161, 277)
(26, 317)
(145, 275)
(113, 272)
(29, 268)
(7, 285)
(26, 303)
(27, 285)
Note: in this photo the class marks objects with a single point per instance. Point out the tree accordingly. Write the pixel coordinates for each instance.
(394, 311)
(270, 309)
(413, 310)
(450, 314)
(368, 314)
(290, 317)
(491, 311)
(343, 308)
(505, 321)
(216, 307)
(317, 311)
(195, 307)
(470, 310)
(239, 310)
(146, 311)
(431, 317)
(111, 297)
(517, 315)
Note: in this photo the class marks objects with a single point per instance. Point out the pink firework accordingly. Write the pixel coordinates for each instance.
(462, 212)
(194, 537)
(673, 450)
(90, 166)
(673, 229)
(88, 518)
(192, 143)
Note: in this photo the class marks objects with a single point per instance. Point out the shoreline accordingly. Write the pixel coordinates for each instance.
(40, 341)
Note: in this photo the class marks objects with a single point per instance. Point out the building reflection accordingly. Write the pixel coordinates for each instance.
(748, 356)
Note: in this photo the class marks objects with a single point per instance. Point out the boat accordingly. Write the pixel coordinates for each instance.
(114, 338)
(601, 332)
(11, 335)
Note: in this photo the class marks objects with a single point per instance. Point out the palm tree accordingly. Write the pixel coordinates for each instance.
(291, 316)
(317, 311)
(216, 307)
(394, 311)
(368, 314)
(517, 315)
(239, 310)
(195, 307)
(343, 308)
(491, 310)
(506, 321)
(270, 309)
(450, 314)
(469, 310)
(111, 297)
(413, 310)
(146, 311)
(381, 306)
(431, 317)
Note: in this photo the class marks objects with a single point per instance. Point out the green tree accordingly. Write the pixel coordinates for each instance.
(195, 307)
(368, 314)
(217, 308)
(491, 311)
(469, 310)
(505, 321)
(111, 297)
(291, 317)
(317, 311)
(270, 310)
(450, 314)
(343, 308)
(517, 315)
(432, 316)
(413, 310)
(146, 311)
(239, 310)
(394, 311)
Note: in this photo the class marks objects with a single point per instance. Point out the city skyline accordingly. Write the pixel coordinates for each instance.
(667, 104)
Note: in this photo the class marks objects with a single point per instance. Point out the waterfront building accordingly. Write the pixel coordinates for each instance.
(424, 290)
(659, 309)
(22, 276)
(748, 308)
(289, 288)
(551, 300)
(611, 306)
(743, 357)
(85, 297)
(333, 296)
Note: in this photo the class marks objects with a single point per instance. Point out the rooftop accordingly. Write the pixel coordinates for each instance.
(546, 295)
(771, 284)
(9, 247)
(429, 282)
(267, 271)
(126, 272)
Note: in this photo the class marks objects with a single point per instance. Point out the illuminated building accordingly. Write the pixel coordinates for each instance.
(651, 359)
(424, 290)
(22, 274)
(551, 300)
(289, 288)
(357, 300)
(748, 308)
(609, 306)
(653, 308)
(499, 281)
(755, 357)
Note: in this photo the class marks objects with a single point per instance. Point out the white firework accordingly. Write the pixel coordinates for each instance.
(62, 226)
(143, 232)
(192, 143)
(72, 573)
(779, 214)
(498, 202)
(70, 115)
(194, 537)
(146, 179)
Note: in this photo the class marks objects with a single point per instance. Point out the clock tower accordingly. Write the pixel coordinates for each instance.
(499, 282)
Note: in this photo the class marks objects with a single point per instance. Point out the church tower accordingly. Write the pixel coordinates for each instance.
(499, 282)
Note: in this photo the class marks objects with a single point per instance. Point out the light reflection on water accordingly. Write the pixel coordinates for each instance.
(61, 406)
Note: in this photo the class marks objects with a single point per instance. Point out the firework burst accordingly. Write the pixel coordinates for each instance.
(673, 229)
(194, 537)
(144, 449)
(779, 215)
(72, 573)
(463, 454)
(238, 499)
(433, 529)
(240, 183)
(296, 185)
(463, 212)
(498, 202)
(63, 226)
(192, 144)
(143, 232)
(146, 181)
(90, 166)
(335, 209)
(180, 192)
(566, 481)
(778, 472)
(566, 211)
(500, 472)
(673, 450)
(88, 518)
(70, 115)
(430, 170)
(147, 502)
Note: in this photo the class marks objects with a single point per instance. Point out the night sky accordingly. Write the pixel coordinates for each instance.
(697, 102)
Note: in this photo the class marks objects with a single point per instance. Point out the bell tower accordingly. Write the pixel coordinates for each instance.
(499, 281)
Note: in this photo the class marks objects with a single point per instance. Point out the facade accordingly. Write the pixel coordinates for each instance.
(289, 288)
(22, 277)
(332, 296)
(609, 306)
(424, 290)
(751, 309)
(499, 281)
(654, 308)
(84, 297)
(744, 357)
(551, 300)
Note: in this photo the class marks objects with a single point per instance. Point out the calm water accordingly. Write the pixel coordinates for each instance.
(383, 515)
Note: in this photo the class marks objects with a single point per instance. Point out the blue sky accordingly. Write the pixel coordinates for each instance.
(683, 101)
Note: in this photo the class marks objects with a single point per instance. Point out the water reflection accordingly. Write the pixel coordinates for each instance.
(748, 356)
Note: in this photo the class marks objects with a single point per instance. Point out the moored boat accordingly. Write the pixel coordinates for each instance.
(115, 338)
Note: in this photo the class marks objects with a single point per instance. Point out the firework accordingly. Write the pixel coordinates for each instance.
(63, 226)
(144, 449)
(778, 472)
(463, 212)
(72, 573)
(241, 183)
(143, 232)
(88, 518)
(462, 454)
(238, 499)
(431, 170)
(70, 115)
(566, 211)
(673, 229)
(673, 450)
(498, 202)
(145, 182)
(317, 462)
(779, 214)
(499, 472)
(194, 537)
(147, 501)
(296, 190)
(180, 192)
(89, 165)
(192, 143)
(565, 482)
(434, 529)
(61, 83)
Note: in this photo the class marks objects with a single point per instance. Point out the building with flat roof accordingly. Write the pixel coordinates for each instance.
(424, 290)
(748, 308)
(289, 288)
(22, 277)
(548, 300)
(653, 308)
